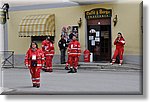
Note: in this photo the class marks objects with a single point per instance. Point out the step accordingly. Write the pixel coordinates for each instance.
(83, 65)
(102, 66)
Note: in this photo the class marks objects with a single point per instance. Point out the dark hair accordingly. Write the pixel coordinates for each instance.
(34, 43)
(119, 33)
(62, 36)
(49, 39)
(74, 35)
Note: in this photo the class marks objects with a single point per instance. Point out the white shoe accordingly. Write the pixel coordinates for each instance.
(120, 64)
(111, 63)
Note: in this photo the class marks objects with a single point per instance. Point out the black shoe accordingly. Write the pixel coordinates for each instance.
(75, 70)
(50, 70)
(34, 85)
(66, 68)
(38, 86)
(71, 71)
(44, 70)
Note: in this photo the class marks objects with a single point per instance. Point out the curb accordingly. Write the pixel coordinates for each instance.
(90, 66)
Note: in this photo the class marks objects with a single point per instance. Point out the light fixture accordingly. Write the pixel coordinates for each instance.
(80, 22)
(115, 20)
(5, 7)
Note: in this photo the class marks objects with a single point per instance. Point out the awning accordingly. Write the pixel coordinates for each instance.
(37, 25)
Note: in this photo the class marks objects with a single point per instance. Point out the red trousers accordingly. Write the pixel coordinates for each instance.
(48, 62)
(74, 61)
(68, 61)
(118, 51)
(35, 75)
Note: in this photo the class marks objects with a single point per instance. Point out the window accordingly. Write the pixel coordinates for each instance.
(40, 38)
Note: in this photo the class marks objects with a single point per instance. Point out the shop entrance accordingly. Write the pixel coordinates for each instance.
(99, 38)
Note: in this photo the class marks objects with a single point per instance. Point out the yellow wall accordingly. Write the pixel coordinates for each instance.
(128, 24)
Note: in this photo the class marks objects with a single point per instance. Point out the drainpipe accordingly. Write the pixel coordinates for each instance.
(1, 48)
(2, 16)
(1, 30)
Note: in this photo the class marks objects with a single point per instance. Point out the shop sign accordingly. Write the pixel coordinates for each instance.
(98, 13)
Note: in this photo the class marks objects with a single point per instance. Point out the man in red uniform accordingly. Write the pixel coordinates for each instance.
(119, 42)
(48, 49)
(34, 60)
(74, 51)
(69, 40)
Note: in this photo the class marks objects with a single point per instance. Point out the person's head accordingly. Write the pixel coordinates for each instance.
(62, 36)
(119, 35)
(33, 45)
(48, 38)
(74, 38)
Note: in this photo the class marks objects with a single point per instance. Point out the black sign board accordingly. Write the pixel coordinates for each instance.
(98, 13)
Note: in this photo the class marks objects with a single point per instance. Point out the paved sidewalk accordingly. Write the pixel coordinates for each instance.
(103, 66)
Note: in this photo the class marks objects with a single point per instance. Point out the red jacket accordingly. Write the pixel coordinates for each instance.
(36, 55)
(48, 48)
(74, 48)
(119, 42)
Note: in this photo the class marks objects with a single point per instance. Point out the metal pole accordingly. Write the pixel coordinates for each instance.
(1, 45)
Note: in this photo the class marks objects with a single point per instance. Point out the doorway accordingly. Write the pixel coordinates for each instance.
(99, 38)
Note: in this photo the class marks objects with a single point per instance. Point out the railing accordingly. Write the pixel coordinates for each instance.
(8, 59)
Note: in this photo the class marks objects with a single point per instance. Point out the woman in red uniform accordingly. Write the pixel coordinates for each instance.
(34, 60)
(119, 42)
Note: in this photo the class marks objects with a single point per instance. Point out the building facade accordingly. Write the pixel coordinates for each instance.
(97, 25)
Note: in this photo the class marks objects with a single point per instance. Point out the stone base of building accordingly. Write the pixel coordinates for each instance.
(131, 59)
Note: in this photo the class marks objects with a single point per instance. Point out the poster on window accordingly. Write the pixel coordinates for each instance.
(91, 37)
(97, 39)
(93, 42)
(69, 31)
(97, 34)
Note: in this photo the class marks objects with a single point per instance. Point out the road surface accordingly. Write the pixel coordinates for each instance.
(18, 81)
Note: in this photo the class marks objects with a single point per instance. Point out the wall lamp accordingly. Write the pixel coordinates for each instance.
(5, 7)
(80, 22)
(115, 20)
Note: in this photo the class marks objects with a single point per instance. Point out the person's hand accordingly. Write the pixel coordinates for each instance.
(117, 41)
(43, 65)
(27, 65)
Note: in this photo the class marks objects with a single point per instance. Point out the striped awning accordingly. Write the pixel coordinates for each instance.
(37, 25)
